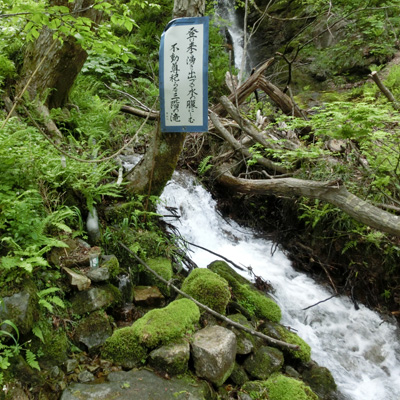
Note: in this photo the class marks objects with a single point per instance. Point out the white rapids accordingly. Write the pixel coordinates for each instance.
(361, 350)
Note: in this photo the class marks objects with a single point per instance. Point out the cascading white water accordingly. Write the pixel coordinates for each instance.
(360, 349)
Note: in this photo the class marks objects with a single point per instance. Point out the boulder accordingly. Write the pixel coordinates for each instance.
(238, 375)
(139, 384)
(148, 296)
(172, 358)
(111, 263)
(81, 282)
(208, 288)
(93, 330)
(98, 274)
(94, 299)
(245, 341)
(74, 254)
(321, 381)
(264, 362)
(214, 352)
(163, 267)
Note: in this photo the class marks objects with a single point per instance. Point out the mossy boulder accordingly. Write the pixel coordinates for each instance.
(208, 288)
(245, 341)
(112, 264)
(129, 346)
(279, 387)
(163, 267)
(279, 332)
(264, 362)
(254, 301)
(163, 325)
(321, 381)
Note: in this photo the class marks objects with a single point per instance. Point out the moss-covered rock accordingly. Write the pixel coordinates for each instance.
(281, 333)
(264, 362)
(163, 267)
(112, 264)
(123, 347)
(208, 288)
(238, 375)
(281, 387)
(321, 381)
(161, 326)
(245, 341)
(254, 301)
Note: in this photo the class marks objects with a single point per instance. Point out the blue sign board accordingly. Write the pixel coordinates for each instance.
(184, 75)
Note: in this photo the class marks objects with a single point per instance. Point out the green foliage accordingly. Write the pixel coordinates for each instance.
(204, 165)
(47, 301)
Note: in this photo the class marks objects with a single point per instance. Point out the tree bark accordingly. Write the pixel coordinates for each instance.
(331, 192)
(151, 175)
(63, 62)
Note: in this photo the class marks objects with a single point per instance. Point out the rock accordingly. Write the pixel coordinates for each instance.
(111, 263)
(21, 308)
(75, 254)
(26, 374)
(245, 341)
(93, 299)
(214, 352)
(172, 358)
(148, 296)
(208, 288)
(98, 274)
(321, 381)
(279, 332)
(238, 375)
(264, 362)
(139, 384)
(93, 330)
(256, 302)
(128, 346)
(85, 376)
(81, 282)
(163, 267)
(70, 365)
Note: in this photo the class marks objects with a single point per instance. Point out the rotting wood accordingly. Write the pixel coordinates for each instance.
(154, 115)
(333, 192)
(269, 339)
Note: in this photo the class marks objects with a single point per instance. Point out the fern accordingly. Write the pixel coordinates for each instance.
(31, 360)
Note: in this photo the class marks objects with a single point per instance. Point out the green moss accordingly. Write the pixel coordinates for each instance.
(124, 348)
(320, 380)
(281, 333)
(281, 387)
(161, 326)
(115, 292)
(163, 267)
(254, 301)
(264, 362)
(112, 264)
(208, 288)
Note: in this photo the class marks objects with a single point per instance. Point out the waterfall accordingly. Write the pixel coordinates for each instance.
(361, 350)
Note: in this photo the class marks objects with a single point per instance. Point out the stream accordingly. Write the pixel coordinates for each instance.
(361, 350)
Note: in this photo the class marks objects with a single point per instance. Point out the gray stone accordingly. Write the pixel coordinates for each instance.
(92, 300)
(85, 376)
(81, 282)
(148, 296)
(140, 385)
(20, 308)
(172, 358)
(245, 341)
(238, 375)
(264, 362)
(93, 330)
(214, 352)
(321, 381)
(70, 365)
(98, 274)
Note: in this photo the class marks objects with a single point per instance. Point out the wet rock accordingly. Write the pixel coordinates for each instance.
(81, 282)
(321, 381)
(245, 341)
(98, 274)
(93, 330)
(139, 384)
(111, 263)
(172, 358)
(92, 300)
(239, 375)
(21, 308)
(264, 362)
(214, 352)
(147, 296)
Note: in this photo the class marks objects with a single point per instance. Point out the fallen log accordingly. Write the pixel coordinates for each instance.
(141, 113)
(333, 192)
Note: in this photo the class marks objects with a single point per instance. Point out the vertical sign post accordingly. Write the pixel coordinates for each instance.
(184, 75)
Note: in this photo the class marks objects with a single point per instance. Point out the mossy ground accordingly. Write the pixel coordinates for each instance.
(208, 288)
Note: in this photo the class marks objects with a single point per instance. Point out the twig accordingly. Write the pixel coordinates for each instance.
(211, 311)
(322, 301)
(387, 93)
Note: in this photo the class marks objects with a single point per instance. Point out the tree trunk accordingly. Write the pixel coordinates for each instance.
(151, 175)
(63, 61)
(331, 192)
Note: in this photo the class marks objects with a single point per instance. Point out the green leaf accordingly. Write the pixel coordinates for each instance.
(38, 332)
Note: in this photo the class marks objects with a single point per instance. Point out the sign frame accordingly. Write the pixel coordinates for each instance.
(201, 123)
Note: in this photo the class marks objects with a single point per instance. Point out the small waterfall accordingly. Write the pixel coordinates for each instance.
(125, 287)
(361, 350)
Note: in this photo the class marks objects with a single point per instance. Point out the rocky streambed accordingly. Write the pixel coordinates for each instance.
(143, 341)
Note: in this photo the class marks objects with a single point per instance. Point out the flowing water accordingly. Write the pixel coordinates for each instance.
(361, 350)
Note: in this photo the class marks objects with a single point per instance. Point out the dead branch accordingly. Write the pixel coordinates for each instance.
(141, 113)
(387, 93)
(269, 339)
(332, 192)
